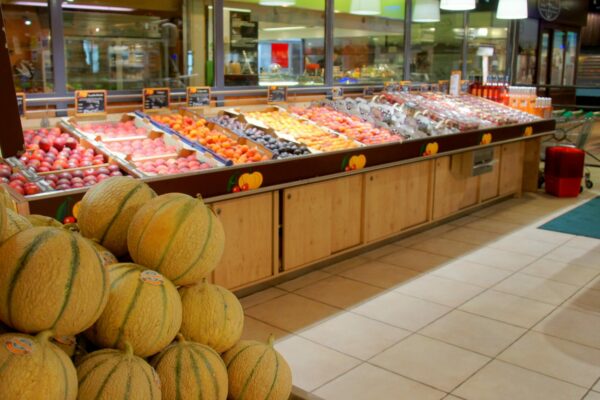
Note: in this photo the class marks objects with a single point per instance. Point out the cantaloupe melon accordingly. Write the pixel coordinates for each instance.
(68, 344)
(32, 368)
(41, 220)
(15, 223)
(6, 200)
(144, 309)
(108, 208)
(107, 257)
(116, 375)
(178, 236)
(212, 315)
(190, 371)
(257, 371)
(3, 221)
(51, 279)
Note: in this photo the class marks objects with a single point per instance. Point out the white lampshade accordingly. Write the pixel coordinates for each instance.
(282, 3)
(512, 9)
(365, 7)
(426, 11)
(457, 5)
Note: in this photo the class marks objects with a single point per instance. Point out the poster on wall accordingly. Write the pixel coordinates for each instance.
(280, 54)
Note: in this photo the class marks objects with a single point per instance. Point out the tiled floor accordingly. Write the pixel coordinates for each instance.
(484, 307)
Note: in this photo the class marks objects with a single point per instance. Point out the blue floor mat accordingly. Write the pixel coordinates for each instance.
(582, 221)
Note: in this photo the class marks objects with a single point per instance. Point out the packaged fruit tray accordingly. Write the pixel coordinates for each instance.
(350, 126)
(304, 131)
(279, 147)
(129, 126)
(208, 137)
(22, 180)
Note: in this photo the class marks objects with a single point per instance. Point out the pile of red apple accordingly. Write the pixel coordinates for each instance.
(17, 181)
(51, 150)
(81, 177)
(113, 129)
(142, 147)
(171, 166)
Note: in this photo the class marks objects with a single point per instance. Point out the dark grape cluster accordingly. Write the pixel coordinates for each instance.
(280, 148)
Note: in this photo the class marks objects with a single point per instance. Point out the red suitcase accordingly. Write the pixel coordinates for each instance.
(564, 171)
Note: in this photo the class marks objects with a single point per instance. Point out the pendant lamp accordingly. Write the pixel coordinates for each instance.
(282, 3)
(512, 9)
(457, 5)
(426, 11)
(365, 7)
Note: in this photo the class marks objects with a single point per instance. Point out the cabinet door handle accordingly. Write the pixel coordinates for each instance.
(289, 196)
(218, 211)
(372, 178)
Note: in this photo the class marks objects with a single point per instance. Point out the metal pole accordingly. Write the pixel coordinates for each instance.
(407, 39)
(11, 135)
(329, 41)
(465, 45)
(58, 50)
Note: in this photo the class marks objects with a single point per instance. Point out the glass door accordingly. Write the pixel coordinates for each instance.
(558, 58)
(544, 51)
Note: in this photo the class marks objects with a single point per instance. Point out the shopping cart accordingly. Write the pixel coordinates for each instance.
(573, 129)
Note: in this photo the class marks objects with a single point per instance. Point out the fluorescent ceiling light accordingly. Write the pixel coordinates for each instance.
(457, 5)
(283, 3)
(512, 9)
(71, 6)
(426, 11)
(365, 7)
(283, 28)
(244, 10)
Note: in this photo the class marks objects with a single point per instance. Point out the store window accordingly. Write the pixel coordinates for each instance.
(436, 48)
(274, 42)
(487, 40)
(124, 45)
(526, 52)
(27, 27)
(368, 41)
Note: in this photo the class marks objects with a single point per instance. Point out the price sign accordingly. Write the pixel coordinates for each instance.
(90, 102)
(157, 98)
(455, 83)
(369, 91)
(198, 96)
(277, 94)
(21, 104)
(336, 93)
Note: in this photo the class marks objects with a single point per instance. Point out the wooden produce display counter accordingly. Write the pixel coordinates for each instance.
(314, 209)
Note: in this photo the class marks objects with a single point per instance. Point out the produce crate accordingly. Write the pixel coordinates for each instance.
(27, 176)
(131, 124)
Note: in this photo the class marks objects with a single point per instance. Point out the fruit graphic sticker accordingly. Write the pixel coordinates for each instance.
(486, 139)
(152, 278)
(354, 163)
(528, 131)
(245, 182)
(430, 149)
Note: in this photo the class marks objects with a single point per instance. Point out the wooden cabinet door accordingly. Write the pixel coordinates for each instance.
(511, 168)
(249, 245)
(453, 191)
(488, 188)
(307, 222)
(396, 198)
(346, 212)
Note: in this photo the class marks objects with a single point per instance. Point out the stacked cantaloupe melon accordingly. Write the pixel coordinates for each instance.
(150, 327)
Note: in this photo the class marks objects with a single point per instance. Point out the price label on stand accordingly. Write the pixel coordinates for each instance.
(335, 93)
(198, 96)
(156, 99)
(369, 91)
(21, 104)
(90, 102)
(277, 94)
(455, 83)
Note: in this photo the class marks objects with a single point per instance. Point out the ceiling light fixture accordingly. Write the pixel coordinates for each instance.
(512, 9)
(426, 11)
(282, 3)
(72, 6)
(457, 5)
(365, 7)
(283, 28)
